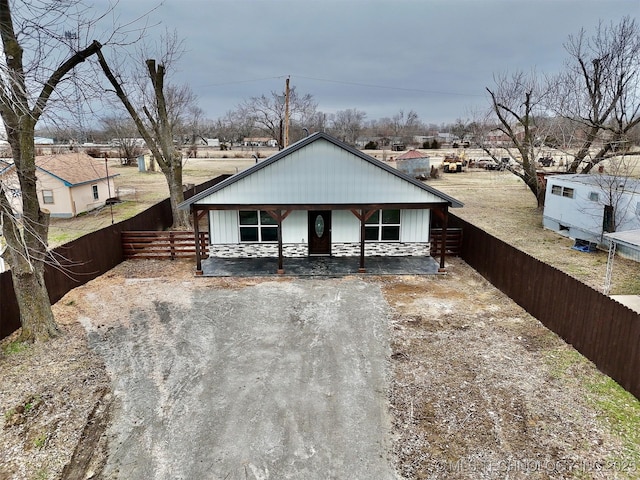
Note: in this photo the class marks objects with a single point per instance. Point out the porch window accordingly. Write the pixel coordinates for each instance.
(94, 189)
(47, 196)
(257, 226)
(383, 226)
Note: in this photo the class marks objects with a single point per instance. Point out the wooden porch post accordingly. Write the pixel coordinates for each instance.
(279, 216)
(196, 231)
(280, 262)
(443, 245)
(363, 216)
(363, 219)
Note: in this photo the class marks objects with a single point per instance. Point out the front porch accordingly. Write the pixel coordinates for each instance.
(318, 266)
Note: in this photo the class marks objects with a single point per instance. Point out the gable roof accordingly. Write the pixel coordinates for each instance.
(411, 154)
(73, 168)
(320, 169)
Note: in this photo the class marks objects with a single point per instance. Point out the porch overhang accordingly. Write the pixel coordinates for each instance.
(280, 211)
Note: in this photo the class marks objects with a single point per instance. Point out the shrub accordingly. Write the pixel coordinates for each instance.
(94, 152)
(371, 145)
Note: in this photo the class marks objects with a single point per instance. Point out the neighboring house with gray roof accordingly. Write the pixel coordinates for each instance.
(67, 184)
(319, 197)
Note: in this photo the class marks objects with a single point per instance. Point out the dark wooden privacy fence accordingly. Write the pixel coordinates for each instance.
(88, 257)
(603, 330)
(453, 242)
(163, 245)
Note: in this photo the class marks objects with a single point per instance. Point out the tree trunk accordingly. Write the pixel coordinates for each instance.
(173, 174)
(537, 189)
(27, 244)
(36, 316)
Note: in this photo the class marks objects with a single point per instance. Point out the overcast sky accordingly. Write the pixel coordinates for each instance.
(432, 56)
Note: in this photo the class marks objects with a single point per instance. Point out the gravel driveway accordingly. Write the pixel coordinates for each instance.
(284, 379)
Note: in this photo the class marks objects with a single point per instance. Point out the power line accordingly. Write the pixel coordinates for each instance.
(387, 87)
(344, 82)
(237, 82)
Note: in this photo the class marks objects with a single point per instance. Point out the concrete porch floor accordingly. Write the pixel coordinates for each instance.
(318, 266)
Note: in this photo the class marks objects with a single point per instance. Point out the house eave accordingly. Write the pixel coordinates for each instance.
(320, 206)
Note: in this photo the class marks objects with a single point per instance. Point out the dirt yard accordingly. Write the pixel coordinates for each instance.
(477, 387)
(499, 203)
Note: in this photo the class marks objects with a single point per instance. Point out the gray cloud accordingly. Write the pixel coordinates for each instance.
(433, 56)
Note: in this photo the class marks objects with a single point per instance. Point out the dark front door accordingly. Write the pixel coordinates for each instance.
(320, 232)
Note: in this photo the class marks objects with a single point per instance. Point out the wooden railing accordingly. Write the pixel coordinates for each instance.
(453, 242)
(163, 245)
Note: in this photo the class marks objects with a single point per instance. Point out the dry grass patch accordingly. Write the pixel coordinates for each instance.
(499, 203)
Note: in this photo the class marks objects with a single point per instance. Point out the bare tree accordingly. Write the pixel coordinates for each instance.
(614, 189)
(404, 126)
(598, 92)
(194, 129)
(160, 117)
(517, 103)
(34, 63)
(234, 127)
(268, 112)
(318, 122)
(347, 124)
(123, 133)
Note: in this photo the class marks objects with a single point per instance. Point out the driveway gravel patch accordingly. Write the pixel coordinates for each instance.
(276, 380)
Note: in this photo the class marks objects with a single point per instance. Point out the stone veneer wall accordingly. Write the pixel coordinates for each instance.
(381, 249)
(291, 250)
(258, 250)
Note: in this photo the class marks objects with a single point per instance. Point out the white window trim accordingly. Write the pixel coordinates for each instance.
(95, 191)
(44, 197)
(259, 226)
(379, 225)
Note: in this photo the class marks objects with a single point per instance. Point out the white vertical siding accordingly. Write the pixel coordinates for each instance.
(294, 227)
(414, 225)
(223, 227)
(320, 173)
(345, 227)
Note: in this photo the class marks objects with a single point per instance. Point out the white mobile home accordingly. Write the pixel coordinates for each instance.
(319, 196)
(587, 206)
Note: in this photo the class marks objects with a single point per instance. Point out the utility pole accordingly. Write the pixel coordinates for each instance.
(286, 114)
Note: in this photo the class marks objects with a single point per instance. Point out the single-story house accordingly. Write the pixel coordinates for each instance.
(585, 207)
(259, 142)
(316, 197)
(67, 184)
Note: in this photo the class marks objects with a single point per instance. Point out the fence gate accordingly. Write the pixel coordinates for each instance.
(163, 245)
